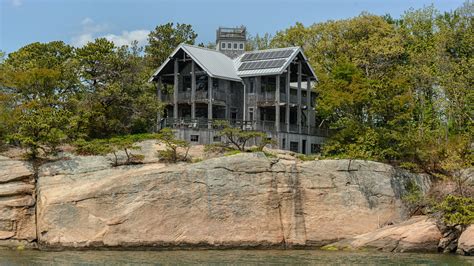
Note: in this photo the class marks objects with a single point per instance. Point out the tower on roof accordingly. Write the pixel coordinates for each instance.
(231, 41)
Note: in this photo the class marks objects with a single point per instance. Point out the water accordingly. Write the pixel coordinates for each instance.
(220, 257)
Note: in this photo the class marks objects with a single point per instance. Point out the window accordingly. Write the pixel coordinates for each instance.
(252, 86)
(229, 45)
(235, 46)
(216, 138)
(283, 143)
(194, 138)
(241, 46)
(250, 114)
(223, 45)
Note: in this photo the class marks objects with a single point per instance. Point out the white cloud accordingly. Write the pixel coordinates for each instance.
(127, 37)
(92, 30)
(82, 39)
(16, 3)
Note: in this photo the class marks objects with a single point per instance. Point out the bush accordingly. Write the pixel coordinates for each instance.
(457, 210)
(239, 137)
(167, 137)
(216, 148)
(113, 145)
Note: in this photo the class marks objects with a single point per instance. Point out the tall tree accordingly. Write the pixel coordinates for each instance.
(118, 100)
(38, 82)
(164, 39)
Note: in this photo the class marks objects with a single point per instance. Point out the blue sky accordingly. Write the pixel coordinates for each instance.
(78, 21)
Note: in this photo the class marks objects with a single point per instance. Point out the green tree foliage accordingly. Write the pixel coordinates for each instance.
(258, 42)
(239, 137)
(38, 83)
(457, 210)
(119, 100)
(172, 144)
(396, 90)
(164, 39)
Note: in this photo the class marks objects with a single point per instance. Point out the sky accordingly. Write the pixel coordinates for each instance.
(78, 21)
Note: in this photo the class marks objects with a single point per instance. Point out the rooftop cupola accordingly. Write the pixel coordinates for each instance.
(231, 41)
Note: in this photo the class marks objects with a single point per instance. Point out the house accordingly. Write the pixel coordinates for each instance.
(265, 90)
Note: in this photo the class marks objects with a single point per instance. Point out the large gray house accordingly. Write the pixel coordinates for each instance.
(266, 90)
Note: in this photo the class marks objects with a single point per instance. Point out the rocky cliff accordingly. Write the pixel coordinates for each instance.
(17, 203)
(244, 200)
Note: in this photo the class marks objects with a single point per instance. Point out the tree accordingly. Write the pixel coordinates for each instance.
(237, 136)
(119, 100)
(259, 42)
(172, 144)
(37, 84)
(164, 39)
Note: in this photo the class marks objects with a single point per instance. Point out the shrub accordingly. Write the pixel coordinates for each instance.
(216, 148)
(112, 145)
(239, 137)
(167, 137)
(457, 210)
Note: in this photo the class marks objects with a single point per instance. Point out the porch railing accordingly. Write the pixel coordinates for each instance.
(268, 126)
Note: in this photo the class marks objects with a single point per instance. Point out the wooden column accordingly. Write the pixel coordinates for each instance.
(209, 101)
(287, 110)
(244, 114)
(308, 105)
(298, 115)
(277, 104)
(175, 89)
(158, 95)
(193, 90)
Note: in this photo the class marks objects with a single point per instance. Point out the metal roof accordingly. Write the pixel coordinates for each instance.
(215, 63)
(218, 65)
(244, 59)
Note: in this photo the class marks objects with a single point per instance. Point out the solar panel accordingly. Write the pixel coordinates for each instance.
(266, 55)
(262, 64)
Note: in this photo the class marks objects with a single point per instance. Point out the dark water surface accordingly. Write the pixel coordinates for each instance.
(220, 257)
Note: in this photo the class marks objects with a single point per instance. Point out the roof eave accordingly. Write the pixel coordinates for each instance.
(164, 63)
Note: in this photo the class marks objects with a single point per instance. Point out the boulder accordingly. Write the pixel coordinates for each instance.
(418, 234)
(466, 242)
(244, 200)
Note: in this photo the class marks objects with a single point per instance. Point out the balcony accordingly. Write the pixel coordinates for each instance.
(201, 96)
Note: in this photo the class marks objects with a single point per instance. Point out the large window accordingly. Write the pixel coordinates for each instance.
(229, 45)
(235, 46)
(241, 46)
(223, 46)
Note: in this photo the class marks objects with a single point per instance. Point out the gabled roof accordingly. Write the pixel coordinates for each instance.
(215, 63)
(255, 63)
(268, 62)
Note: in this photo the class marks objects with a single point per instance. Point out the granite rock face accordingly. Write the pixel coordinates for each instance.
(17, 203)
(466, 242)
(245, 200)
(418, 234)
